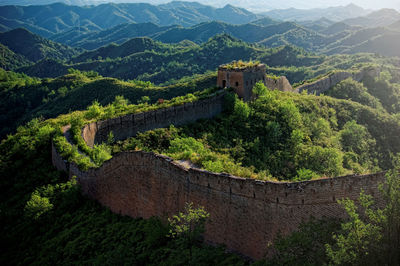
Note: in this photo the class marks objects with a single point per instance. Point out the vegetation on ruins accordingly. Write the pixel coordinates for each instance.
(281, 135)
(369, 235)
(241, 65)
(351, 129)
(59, 225)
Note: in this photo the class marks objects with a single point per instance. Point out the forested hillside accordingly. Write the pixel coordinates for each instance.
(10, 60)
(24, 98)
(153, 61)
(64, 66)
(33, 47)
(84, 27)
(304, 136)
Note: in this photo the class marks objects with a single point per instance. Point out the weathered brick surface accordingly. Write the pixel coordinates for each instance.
(324, 84)
(246, 214)
(281, 84)
(129, 125)
(242, 80)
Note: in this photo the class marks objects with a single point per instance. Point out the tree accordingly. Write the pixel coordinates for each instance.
(188, 226)
(259, 89)
(371, 235)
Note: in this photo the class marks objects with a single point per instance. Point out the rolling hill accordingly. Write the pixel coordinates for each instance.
(157, 62)
(34, 47)
(251, 32)
(87, 39)
(135, 45)
(10, 60)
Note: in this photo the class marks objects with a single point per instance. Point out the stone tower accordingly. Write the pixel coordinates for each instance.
(241, 77)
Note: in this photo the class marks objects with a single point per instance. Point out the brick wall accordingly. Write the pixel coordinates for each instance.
(129, 125)
(245, 214)
(324, 84)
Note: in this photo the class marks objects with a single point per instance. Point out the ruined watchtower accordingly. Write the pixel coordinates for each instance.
(241, 76)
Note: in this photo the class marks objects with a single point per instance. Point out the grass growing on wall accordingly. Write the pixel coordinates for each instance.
(86, 157)
(282, 136)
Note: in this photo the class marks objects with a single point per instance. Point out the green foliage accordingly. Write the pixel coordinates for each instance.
(304, 246)
(241, 110)
(100, 154)
(371, 234)
(188, 224)
(37, 205)
(259, 89)
(46, 220)
(352, 90)
(388, 93)
(356, 138)
(240, 64)
(304, 174)
(282, 135)
(24, 97)
(360, 237)
(93, 111)
(188, 148)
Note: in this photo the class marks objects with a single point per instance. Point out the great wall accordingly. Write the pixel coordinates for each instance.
(245, 214)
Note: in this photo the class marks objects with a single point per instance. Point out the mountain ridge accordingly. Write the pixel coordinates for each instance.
(60, 17)
(35, 47)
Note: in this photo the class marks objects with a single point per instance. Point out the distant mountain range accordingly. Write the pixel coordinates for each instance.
(251, 5)
(59, 32)
(383, 17)
(335, 38)
(55, 18)
(332, 13)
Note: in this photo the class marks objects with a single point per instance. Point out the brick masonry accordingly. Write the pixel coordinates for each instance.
(245, 214)
(325, 83)
(242, 80)
(129, 125)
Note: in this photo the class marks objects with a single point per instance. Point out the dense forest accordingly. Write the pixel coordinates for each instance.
(66, 65)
